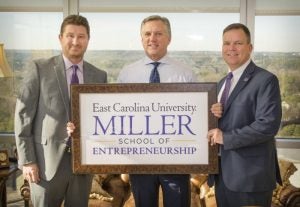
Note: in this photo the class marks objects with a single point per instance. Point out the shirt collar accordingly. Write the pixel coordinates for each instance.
(69, 64)
(163, 60)
(239, 71)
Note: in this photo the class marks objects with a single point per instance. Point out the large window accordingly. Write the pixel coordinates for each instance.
(30, 30)
(196, 40)
(25, 36)
(277, 48)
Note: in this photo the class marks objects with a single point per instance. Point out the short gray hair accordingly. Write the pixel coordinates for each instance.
(158, 18)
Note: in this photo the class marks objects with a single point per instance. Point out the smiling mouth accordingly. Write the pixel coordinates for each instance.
(75, 49)
(153, 45)
(232, 55)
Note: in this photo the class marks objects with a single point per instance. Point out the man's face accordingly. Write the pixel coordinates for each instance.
(236, 50)
(155, 39)
(74, 42)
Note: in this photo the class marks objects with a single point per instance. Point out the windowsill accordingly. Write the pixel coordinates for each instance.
(288, 143)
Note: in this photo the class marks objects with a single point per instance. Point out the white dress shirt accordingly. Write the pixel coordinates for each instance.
(237, 73)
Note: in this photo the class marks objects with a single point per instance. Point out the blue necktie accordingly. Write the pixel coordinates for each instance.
(225, 93)
(74, 78)
(154, 77)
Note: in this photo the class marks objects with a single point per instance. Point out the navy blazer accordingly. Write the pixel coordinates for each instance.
(250, 121)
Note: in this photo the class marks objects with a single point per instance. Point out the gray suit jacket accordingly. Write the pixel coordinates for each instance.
(250, 120)
(42, 111)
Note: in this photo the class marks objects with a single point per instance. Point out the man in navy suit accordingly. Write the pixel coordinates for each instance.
(251, 118)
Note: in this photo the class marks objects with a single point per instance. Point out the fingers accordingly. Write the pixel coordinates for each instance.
(215, 136)
(32, 177)
(217, 110)
(217, 114)
(31, 173)
(211, 137)
(70, 128)
(70, 125)
(35, 177)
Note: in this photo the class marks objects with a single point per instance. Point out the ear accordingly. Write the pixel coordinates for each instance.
(169, 40)
(250, 48)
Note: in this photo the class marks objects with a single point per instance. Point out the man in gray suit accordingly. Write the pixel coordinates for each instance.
(251, 118)
(42, 113)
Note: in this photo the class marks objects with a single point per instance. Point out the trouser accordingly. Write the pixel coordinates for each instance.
(65, 186)
(175, 189)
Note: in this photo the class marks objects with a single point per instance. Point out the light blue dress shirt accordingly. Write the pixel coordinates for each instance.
(170, 70)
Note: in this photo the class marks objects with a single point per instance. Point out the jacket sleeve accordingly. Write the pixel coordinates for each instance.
(25, 111)
(266, 111)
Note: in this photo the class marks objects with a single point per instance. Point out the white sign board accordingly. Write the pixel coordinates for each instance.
(142, 127)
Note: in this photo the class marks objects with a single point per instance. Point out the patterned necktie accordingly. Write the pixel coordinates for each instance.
(226, 89)
(154, 77)
(74, 78)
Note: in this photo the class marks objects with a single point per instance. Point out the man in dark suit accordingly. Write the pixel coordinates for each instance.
(251, 118)
(42, 112)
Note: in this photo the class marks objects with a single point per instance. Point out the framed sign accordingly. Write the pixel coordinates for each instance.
(143, 128)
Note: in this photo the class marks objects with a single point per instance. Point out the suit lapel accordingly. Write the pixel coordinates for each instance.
(59, 69)
(87, 74)
(243, 81)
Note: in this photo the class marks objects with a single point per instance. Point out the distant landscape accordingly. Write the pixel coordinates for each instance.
(208, 66)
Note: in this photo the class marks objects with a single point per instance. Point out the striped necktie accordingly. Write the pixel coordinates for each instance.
(225, 93)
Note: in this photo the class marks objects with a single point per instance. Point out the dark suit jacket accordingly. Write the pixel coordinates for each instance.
(42, 111)
(250, 120)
